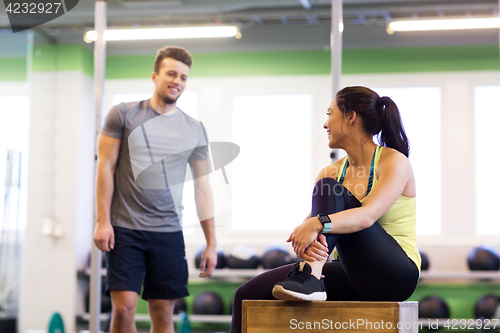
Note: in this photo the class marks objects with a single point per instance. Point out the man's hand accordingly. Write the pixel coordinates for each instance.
(104, 236)
(208, 261)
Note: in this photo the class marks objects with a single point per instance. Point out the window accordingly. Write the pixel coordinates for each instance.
(14, 137)
(189, 104)
(486, 120)
(271, 178)
(418, 106)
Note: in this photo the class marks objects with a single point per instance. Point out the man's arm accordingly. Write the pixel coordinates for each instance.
(205, 208)
(109, 149)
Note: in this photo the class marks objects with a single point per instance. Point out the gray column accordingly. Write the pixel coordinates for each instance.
(99, 73)
(336, 44)
(336, 53)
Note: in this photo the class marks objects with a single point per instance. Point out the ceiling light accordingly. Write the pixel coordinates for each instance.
(165, 33)
(306, 4)
(444, 24)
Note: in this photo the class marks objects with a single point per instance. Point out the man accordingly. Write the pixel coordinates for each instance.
(144, 148)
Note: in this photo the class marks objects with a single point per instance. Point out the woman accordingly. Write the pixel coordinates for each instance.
(363, 205)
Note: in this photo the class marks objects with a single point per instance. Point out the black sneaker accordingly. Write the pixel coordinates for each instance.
(300, 286)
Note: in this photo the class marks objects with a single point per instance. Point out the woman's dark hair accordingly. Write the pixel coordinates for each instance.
(380, 116)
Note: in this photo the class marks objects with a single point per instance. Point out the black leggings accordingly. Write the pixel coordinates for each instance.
(372, 265)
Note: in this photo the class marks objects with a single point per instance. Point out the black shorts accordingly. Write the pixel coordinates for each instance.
(156, 259)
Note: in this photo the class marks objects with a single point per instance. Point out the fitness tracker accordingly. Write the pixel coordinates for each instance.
(326, 222)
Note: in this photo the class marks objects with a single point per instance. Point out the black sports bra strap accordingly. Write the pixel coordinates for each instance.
(341, 180)
(372, 169)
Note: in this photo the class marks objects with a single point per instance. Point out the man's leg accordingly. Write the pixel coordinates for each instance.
(124, 306)
(125, 268)
(166, 277)
(161, 312)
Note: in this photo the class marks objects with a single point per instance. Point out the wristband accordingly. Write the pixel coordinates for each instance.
(326, 222)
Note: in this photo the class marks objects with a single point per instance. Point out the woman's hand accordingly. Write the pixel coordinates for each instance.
(304, 235)
(318, 250)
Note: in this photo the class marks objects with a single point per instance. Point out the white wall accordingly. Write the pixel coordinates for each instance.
(458, 235)
(60, 190)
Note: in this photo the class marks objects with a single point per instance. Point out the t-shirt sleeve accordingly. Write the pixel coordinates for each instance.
(201, 151)
(113, 126)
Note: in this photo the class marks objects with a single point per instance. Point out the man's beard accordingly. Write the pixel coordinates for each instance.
(168, 100)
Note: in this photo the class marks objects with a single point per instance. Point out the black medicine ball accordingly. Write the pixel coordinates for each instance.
(425, 260)
(276, 257)
(221, 258)
(486, 306)
(433, 307)
(180, 306)
(208, 303)
(243, 257)
(483, 258)
(105, 300)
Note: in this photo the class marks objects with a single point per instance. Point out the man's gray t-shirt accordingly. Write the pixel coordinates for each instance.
(151, 167)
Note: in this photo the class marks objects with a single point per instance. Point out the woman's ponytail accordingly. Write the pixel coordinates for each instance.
(392, 132)
(380, 116)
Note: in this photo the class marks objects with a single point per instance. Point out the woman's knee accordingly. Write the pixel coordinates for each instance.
(240, 294)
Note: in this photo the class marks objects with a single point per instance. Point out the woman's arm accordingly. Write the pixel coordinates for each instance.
(320, 249)
(394, 173)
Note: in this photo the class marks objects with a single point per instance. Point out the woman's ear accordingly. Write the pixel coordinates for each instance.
(352, 117)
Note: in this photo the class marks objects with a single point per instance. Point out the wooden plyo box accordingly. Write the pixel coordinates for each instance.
(282, 316)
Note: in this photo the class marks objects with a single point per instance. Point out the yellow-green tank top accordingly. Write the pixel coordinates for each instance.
(400, 220)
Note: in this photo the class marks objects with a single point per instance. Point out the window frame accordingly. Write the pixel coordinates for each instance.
(18, 89)
(497, 86)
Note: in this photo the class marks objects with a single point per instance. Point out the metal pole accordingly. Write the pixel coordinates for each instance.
(336, 44)
(99, 72)
(17, 245)
(336, 53)
(5, 243)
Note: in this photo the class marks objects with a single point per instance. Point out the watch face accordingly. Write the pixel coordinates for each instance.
(324, 219)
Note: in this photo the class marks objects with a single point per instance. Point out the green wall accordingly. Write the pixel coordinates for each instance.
(64, 57)
(422, 59)
(12, 69)
(354, 61)
(358, 61)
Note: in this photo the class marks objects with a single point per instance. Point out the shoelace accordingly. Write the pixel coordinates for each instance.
(296, 275)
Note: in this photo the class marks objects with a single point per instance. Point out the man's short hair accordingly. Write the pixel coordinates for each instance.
(175, 52)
